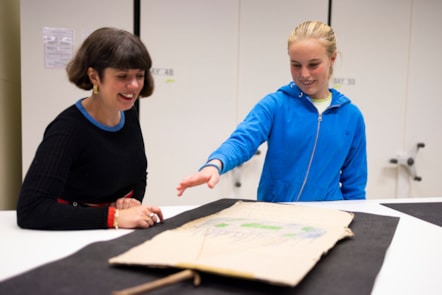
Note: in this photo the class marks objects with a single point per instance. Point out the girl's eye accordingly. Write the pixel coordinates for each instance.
(296, 66)
(140, 76)
(314, 65)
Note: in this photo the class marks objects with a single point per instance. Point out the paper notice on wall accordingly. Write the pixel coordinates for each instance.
(58, 47)
(275, 243)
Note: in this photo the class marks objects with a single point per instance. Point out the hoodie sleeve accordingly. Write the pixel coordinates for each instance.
(354, 170)
(248, 136)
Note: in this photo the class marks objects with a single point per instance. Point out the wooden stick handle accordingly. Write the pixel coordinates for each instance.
(172, 279)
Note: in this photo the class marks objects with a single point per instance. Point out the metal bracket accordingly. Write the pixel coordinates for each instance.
(236, 172)
(408, 161)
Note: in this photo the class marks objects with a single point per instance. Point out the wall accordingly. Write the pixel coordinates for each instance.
(390, 73)
(10, 127)
(386, 63)
(225, 56)
(395, 71)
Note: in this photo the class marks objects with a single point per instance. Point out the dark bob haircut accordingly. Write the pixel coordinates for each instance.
(110, 48)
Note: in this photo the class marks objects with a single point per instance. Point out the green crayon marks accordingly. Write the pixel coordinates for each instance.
(222, 225)
(261, 226)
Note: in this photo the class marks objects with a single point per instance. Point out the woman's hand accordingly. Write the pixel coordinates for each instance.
(139, 216)
(207, 175)
(125, 203)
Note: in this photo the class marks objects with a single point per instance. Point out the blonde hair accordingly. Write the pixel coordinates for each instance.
(315, 30)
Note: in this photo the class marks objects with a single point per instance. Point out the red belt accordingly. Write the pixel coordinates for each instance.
(98, 205)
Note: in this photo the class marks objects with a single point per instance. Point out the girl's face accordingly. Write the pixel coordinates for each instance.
(310, 67)
(121, 88)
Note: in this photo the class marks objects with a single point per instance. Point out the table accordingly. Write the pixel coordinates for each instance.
(412, 263)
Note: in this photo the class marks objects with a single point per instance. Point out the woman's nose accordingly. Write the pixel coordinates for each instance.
(304, 72)
(133, 83)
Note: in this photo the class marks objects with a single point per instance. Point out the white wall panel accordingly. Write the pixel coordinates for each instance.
(424, 101)
(373, 40)
(46, 92)
(391, 52)
(194, 47)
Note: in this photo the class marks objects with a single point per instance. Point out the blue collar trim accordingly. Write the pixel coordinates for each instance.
(115, 128)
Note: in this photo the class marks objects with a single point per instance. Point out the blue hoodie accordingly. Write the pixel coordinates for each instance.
(310, 157)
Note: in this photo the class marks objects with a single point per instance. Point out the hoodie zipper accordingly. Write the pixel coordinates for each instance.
(318, 128)
(311, 157)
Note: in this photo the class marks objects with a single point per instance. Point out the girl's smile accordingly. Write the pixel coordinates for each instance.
(310, 67)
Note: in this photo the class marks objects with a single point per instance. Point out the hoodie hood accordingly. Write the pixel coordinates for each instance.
(293, 90)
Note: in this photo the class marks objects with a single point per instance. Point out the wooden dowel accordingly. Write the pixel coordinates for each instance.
(172, 279)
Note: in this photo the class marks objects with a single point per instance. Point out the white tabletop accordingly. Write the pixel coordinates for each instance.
(411, 266)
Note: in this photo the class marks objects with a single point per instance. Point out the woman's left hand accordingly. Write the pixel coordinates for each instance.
(140, 217)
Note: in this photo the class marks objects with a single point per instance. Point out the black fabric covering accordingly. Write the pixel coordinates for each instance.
(349, 268)
(430, 212)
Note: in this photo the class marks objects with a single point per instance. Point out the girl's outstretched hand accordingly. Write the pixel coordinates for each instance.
(207, 175)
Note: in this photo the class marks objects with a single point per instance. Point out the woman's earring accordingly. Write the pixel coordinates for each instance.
(95, 89)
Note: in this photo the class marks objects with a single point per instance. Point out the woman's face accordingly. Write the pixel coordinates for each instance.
(310, 67)
(121, 88)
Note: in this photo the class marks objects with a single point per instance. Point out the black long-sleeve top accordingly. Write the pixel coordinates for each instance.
(82, 161)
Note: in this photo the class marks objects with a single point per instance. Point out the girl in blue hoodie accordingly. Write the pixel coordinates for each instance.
(316, 144)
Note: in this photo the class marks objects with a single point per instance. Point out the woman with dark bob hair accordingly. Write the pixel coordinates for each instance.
(90, 170)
